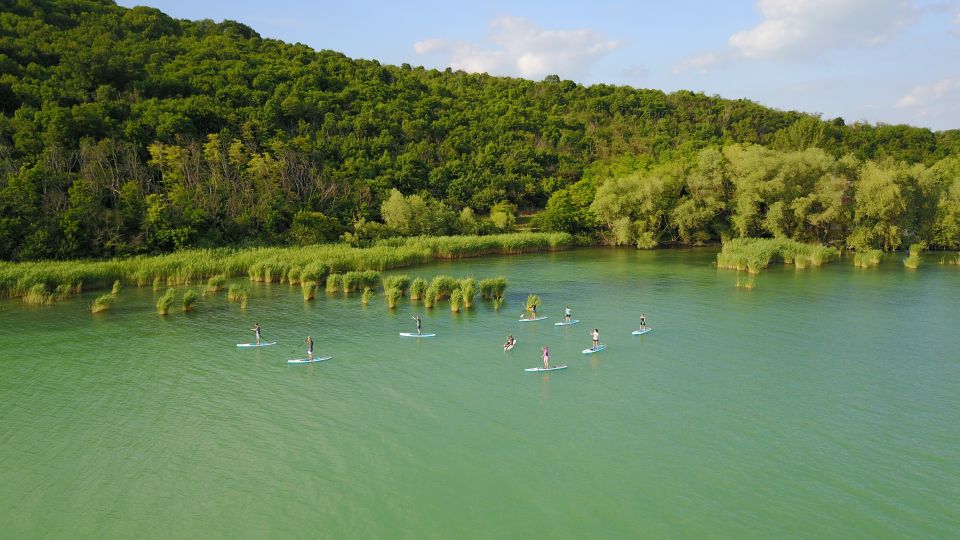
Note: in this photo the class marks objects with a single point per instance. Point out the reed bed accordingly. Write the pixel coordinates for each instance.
(334, 283)
(868, 258)
(468, 291)
(430, 297)
(38, 295)
(444, 285)
(165, 301)
(401, 283)
(417, 288)
(747, 282)
(493, 288)
(456, 298)
(393, 295)
(293, 264)
(914, 259)
(189, 300)
(755, 254)
(116, 287)
(102, 303)
(359, 280)
(309, 290)
(366, 295)
(216, 283)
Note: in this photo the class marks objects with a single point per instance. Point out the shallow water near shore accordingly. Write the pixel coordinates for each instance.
(822, 403)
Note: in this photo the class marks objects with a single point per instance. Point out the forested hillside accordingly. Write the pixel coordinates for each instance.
(125, 131)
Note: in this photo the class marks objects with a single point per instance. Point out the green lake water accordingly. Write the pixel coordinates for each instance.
(824, 403)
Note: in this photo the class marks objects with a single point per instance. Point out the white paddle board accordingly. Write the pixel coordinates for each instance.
(414, 334)
(572, 321)
(534, 319)
(309, 360)
(256, 345)
(551, 368)
(646, 330)
(596, 349)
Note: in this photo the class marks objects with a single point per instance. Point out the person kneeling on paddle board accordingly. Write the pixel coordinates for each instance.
(509, 342)
(309, 342)
(417, 318)
(256, 329)
(596, 338)
(546, 358)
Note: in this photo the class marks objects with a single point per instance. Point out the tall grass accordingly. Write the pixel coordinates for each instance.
(444, 286)
(359, 280)
(216, 283)
(165, 301)
(756, 254)
(868, 258)
(456, 298)
(493, 288)
(38, 295)
(309, 290)
(189, 300)
(401, 283)
(417, 288)
(430, 296)
(116, 287)
(468, 290)
(102, 303)
(269, 264)
(334, 283)
(913, 260)
(393, 295)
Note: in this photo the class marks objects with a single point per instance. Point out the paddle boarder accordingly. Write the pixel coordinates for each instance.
(309, 342)
(596, 338)
(566, 315)
(417, 318)
(643, 322)
(509, 342)
(256, 329)
(546, 357)
(533, 311)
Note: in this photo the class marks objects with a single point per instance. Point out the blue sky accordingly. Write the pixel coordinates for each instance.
(890, 61)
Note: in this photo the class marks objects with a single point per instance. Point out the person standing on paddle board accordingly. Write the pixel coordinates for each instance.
(256, 329)
(417, 318)
(533, 311)
(596, 338)
(643, 322)
(546, 358)
(566, 314)
(309, 342)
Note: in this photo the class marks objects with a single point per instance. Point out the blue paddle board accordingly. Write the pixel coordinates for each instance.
(592, 350)
(646, 330)
(309, 360)
(256, 345)
(533, 320)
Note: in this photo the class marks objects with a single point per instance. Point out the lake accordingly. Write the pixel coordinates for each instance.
(823, 403)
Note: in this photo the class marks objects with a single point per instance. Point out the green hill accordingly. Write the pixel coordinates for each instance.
(126, 131)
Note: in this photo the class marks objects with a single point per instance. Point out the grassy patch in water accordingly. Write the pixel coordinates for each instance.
(165, 301)
(269, 264)
(756, 254)
(102, 303)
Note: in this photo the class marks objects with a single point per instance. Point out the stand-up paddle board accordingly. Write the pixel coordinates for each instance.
(534, 319)
(512, 345)
(646, 330)
(573, 321)
(592, 350)
(309, 360)
(256, 344)
(414, 334)
(551, 368)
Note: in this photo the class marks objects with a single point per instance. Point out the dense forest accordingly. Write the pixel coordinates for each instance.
(126, 131)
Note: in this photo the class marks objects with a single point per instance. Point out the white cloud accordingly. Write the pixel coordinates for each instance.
(798, 29)
(942, 93)
(802, 29)
(518, 47)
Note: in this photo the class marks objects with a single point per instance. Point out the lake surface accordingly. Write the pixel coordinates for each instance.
(824, 403)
